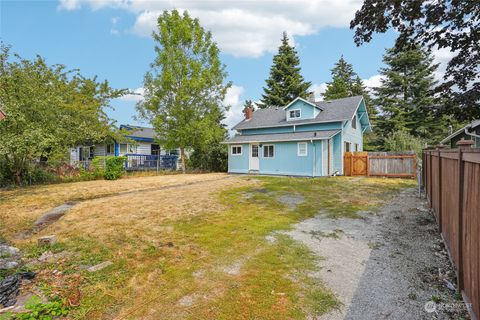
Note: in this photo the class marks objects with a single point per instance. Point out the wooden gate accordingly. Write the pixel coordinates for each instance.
(384, 164)
(356, 164)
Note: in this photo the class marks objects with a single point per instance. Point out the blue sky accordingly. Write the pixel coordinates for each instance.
(110, 39)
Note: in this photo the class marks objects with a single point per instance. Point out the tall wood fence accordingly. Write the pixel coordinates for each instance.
(451, 180)
(384, 164)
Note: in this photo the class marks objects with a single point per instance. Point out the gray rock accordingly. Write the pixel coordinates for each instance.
(47, 240)
(7, 251)
(6, 265)
(100, 266)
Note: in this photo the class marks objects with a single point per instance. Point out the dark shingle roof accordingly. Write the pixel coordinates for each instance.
(334, 110)
(139, 132)
(294, 136)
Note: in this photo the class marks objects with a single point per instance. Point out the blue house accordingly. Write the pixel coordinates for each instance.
(304, 138)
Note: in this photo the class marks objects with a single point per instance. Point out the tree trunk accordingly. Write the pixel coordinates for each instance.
(182, 155)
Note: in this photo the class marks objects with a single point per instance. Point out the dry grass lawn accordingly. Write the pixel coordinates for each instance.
(200, 248)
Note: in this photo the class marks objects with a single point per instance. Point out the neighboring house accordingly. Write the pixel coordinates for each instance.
(142, 147)
(469, 132)
(2, 114)
(304, 138)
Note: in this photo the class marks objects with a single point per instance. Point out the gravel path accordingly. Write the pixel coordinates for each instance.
(386, 265)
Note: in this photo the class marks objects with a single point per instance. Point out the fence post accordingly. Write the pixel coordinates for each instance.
(462, 146)
(440, 211)
(430, 182)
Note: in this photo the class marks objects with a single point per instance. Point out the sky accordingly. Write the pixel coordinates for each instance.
(111, 39)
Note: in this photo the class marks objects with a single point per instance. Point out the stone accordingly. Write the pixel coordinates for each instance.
(49, 256)
(6, 265)
(47, 240)
(8, 251)
(100, 266)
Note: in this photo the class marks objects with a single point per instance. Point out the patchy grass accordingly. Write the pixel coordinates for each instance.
(196, 251)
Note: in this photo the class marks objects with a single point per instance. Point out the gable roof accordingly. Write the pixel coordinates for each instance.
(313, 104)
(332, 111)
(469, 127)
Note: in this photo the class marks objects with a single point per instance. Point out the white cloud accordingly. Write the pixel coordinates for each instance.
(113, 29)
(136, 95)
(233, 99)
(442, 56)
(241, 28)
(373, 81)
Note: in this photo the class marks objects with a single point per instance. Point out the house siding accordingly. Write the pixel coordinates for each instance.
(238, 163)
(353, 135)
(307, 111)
(285, 161)
(337, 154)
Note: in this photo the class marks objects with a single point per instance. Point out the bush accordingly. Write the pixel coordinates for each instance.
(114, 167)
(403, 141)
(215, 159)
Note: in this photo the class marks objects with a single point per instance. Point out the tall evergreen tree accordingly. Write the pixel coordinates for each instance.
(345, 82)
(285, 82)
(406, 95)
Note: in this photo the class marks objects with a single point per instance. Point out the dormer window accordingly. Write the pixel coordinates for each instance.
(295, 114)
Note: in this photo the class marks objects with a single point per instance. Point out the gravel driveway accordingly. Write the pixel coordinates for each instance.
(386, 265)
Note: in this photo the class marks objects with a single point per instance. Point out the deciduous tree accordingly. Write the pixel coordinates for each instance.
(185, 86)
(450, 24)
(49, 109)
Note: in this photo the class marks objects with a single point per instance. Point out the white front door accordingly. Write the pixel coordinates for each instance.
(253, 159)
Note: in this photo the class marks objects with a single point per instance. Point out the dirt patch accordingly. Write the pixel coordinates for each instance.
(383, 266)
(291, 200)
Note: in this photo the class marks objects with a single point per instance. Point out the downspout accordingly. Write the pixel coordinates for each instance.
(313, 158)
(471, 133)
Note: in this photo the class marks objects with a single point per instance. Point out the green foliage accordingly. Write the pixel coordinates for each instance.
(114, 167)
(403, 141)
(42, 311)
(285, 82)
(345, 83)
(213, 158)
(52, 109)
(447, 24)
(406, 96)
(184, 90)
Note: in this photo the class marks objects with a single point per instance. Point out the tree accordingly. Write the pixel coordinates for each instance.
(336, 89)
(184, 88)
(447, 24)
(406, 95)
(285, 82)
(49, 109)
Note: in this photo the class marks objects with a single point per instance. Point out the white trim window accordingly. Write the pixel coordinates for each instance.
(236, 150)
(354, 122)
(302, 149)
(269, 151)
(295, 113)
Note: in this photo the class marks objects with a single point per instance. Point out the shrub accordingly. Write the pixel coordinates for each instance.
(213, 158)
(403, 141)
(114, 167)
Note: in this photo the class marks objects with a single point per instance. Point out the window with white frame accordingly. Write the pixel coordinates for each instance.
(348, 146)
(131, 148)
(123, 148)
(295, 113)
(110, 148)
(302, 149)
(236, 150)
(354, 122)
(268, 151)
(356, 147)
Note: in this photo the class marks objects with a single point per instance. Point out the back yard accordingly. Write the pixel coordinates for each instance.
(218, 246)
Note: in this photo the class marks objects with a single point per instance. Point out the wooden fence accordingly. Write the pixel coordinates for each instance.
(451, 178)
(384, 164)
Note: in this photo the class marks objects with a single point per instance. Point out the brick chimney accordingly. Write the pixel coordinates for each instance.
(248, 113)
(311, 96)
